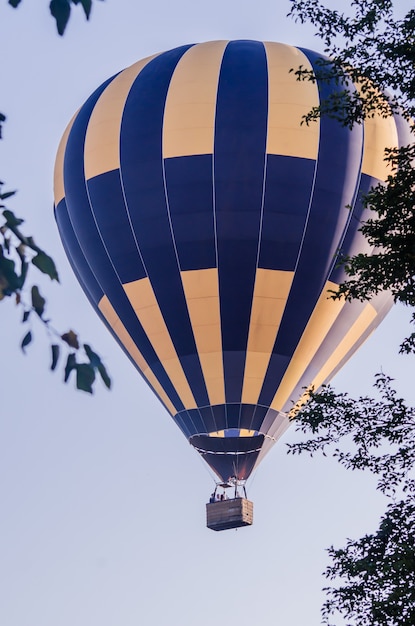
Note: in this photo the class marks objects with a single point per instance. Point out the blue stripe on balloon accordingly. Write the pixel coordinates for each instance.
(405, 136)
(219, 414)
(354, 242)
(195, 418)
(197, 421)
(382, 303)
(349, 314)
(83, 222)
(337, 176)
(108, 208)
(232, 415)
(143, 182)
(278, 363)
(184, 422)
(288, 185)
(224, 416)
(209, 418)
(246, 414)
(189, 183)
(258, 417)
(76, 257)
(84, 274)
(239, 160)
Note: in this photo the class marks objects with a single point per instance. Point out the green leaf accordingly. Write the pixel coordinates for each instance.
(11, 219)
(23, 274)
(87, 5)
(14, 3)
(26, 340)
(85, 376)
(70, 365)
(60, 10)
(26, 315)
(95, 362)
(7, 194)
(104, 375)
(93, 357)
(71, 339)
(38, 302)
(46, 264)
(11, 281)
(55, 355)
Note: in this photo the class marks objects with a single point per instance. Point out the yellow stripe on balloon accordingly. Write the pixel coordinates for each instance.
(201, 288)
(189, 116)
(321, 320)
(102, 141)
(379, 133)
(348, 343)
(289, 100)
(143, 300)
(270, 296)
(119, 329)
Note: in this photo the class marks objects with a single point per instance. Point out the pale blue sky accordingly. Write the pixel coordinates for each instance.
(95, 526)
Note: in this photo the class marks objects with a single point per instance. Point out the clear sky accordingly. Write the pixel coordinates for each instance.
(98, 524)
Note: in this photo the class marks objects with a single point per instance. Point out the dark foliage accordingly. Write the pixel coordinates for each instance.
(19, 252)
(377, 51)
(61, 11)
(373, 578)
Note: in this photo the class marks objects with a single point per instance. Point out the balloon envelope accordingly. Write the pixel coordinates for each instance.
(203, 221)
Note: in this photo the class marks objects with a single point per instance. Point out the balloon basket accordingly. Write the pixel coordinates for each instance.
(230, 513)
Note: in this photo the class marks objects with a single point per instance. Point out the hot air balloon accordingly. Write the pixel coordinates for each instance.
(204, 221)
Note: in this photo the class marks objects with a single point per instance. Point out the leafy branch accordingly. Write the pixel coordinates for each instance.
(377, 573)
(373, 578)
(378, 57)
(380, 433)
(358, 53)
(391, 232)
(17, 253)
